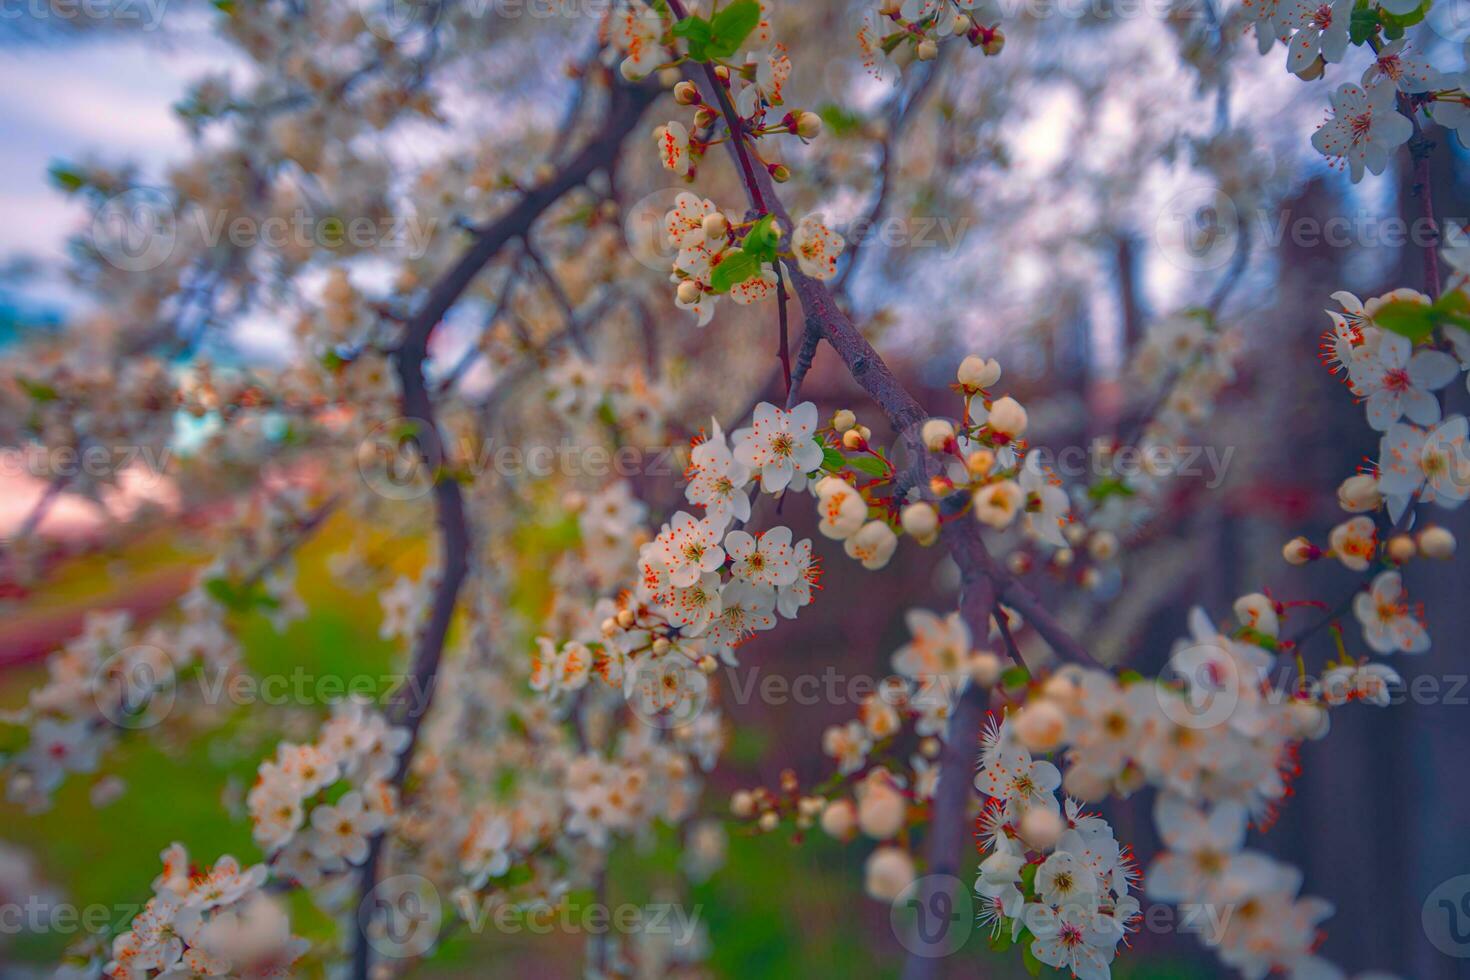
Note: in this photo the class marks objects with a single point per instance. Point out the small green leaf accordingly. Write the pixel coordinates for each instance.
(832, 460)
(1028, 958)
(39, 390)
(1407, 318)
(736, 267)
(1014, 677)
(1109, 487)
(760, 242)
(1028, 878)
(1363, 22)
(1001, 941)
(867, 465)
(65, 178)
(839, 121)
(697, 32)
(732, 26)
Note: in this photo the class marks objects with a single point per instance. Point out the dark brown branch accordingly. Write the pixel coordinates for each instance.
(412, 701)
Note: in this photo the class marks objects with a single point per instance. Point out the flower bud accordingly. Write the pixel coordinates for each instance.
(1103, 546)
(938, 435)
(927, 50)
(1007, 418)
(625, 618)
(1299, 551)
(1401, 548)
(715, 226)
(1085, 785)
(842, 420)
(703, 117)
(1041, 827)
(780, 173)
(977, 372)
(1041, 726)
(881, 810)
(853, 439)
(686, 93)
(985, 668)
(1359, 494)
(1437, 543)
(992, 41)
(688, 292)
(888, 872)
(808, 125)
(769, 821)
(921, 521)
(839, 819)
(661, 646)
(742, 804)
(979, 462)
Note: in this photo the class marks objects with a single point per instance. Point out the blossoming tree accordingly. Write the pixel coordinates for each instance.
(549, 709)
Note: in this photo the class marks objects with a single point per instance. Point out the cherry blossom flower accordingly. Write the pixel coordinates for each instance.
(1047, 504)
(1397, 381)
(1389, 625)
(757, 288)
(688, 547)
(673, 146)
(873, 545)
(1370, 683)
(843, 509)
(1321, 29)
(1070, 939)
(719, 480)
(780, 446)
(816, 247)
(1355, 542)
(766, 560)
(798, 593)
(1395, 66)
(1436, 465)
(1363, 130)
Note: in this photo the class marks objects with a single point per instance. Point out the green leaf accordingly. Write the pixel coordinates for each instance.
(1109, 487)
(698, 32)
(760, 242)
(39, 390)
(832, 460)
(1001, 941)
(1028, 958)
(1407, 318)
(734, 268)
(839, 121)
(1363, 23)
(65, 178)
(1014, 677)
(1028, 878)
(867, 465)
(732, 26)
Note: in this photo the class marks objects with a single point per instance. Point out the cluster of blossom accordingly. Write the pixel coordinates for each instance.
(108, 679)
(1220, 746)
(306, 837)
(581, 392)
(715, 255)
(898, 31)
(1370, 119)
(704, 587)
(216, 921)
(884, 778)
(986, 471)
(1054, 876)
